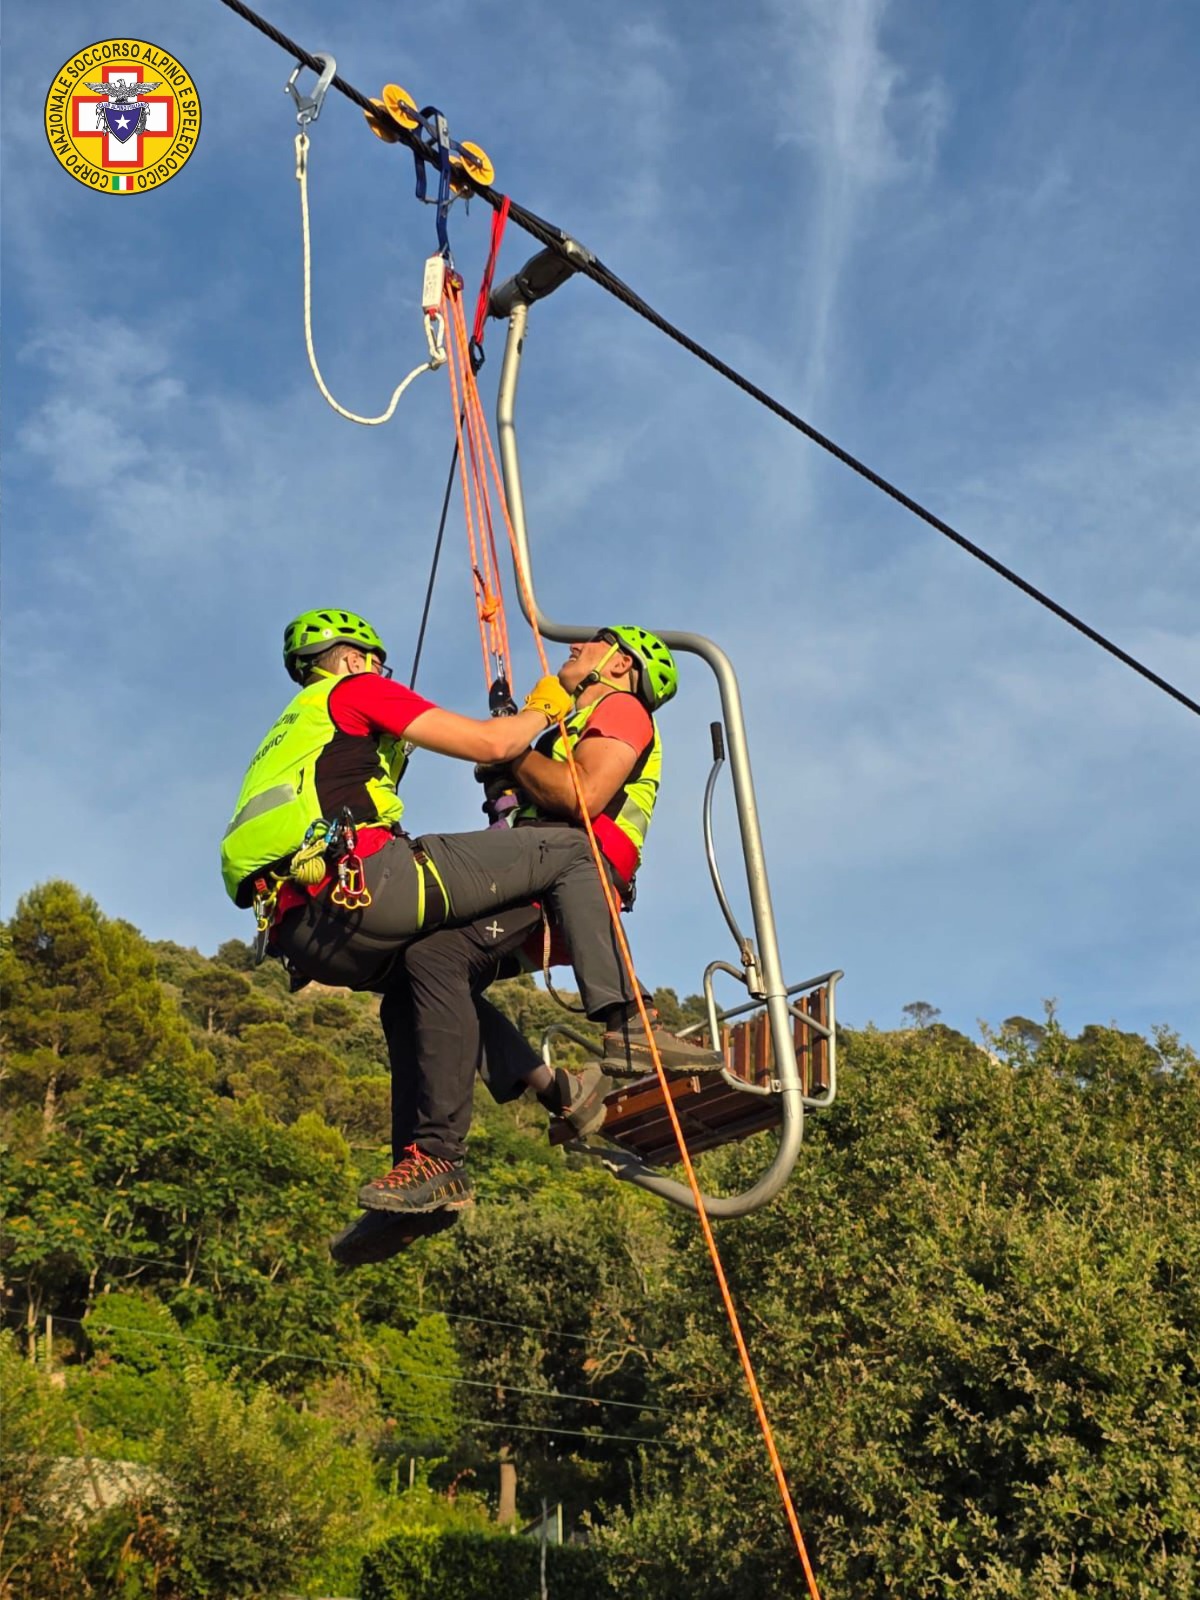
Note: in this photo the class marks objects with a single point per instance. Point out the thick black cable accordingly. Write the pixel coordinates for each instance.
(547, 234)
(433, 570)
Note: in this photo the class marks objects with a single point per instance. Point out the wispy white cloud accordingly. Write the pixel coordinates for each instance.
(847, 103)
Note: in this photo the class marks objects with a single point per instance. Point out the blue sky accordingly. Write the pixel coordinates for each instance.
(959, 239)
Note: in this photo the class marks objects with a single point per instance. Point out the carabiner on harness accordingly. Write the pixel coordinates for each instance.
(263, 905)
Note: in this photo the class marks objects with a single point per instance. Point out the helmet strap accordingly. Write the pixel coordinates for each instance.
(595, 675)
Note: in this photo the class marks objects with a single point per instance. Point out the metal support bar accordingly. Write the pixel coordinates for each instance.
(745, 949)
(540, 276)
(562, 1030)
(516, 306)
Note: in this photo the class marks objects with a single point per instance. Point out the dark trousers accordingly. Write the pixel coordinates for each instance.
(440, 1031)
(484, 872)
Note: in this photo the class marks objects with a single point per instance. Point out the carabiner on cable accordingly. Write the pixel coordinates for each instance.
(308, 107)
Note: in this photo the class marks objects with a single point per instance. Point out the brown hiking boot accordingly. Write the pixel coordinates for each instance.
(582, 1097)
(419, 1182)
(627, 1052)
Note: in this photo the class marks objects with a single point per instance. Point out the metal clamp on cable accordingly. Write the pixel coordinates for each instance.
(540, 276)
(308, 107)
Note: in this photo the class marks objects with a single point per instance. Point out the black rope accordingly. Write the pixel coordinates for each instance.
(547, 234)
(433, 570)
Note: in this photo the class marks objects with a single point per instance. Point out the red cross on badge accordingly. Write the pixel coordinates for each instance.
(121, 115)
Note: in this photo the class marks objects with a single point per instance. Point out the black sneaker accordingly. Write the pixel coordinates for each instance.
(579, 1099)
(627, 1052)
(380, 1235)
(417, 1183)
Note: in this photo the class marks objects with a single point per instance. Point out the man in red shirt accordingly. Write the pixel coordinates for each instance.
(439, 1027)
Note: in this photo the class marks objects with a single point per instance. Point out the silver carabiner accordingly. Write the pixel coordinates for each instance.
(308, 107)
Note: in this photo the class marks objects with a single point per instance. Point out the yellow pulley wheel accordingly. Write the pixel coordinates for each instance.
(476, 160)
(401, 106)
(379, 126)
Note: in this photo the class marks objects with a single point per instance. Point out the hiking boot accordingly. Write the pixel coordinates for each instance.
(380, 1235)
(579, 1100)
(627, 1052)
(418, 1183)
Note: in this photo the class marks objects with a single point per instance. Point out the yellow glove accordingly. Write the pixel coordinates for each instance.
(550, 698)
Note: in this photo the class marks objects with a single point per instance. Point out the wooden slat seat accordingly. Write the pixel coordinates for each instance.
(710, 1111)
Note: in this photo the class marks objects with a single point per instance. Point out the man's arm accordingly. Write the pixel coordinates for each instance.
(365, 703)
(603, 763)
(496, 739)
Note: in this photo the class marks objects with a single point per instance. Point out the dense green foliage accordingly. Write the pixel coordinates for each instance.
(973, 1315)
(430, 1565)
(975, 1311)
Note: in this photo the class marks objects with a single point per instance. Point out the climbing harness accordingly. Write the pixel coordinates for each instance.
(331, 845)
(433, 898)
(307, 112)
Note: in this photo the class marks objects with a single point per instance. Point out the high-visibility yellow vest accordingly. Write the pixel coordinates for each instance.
(282, 791)
(632, 807)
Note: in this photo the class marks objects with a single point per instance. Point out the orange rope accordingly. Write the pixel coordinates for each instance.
(489, 599)
(474, 406)
(492, 598)
(459, 410)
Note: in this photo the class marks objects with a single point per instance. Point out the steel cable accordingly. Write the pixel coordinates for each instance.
(547, 234)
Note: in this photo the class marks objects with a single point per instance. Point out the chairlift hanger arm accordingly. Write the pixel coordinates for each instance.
(512, 300)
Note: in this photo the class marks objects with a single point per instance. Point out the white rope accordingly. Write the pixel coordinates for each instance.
(434, 326)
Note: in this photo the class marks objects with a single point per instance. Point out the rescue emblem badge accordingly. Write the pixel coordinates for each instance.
(122, 116)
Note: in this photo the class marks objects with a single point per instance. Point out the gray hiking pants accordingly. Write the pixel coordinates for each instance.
(483, 872)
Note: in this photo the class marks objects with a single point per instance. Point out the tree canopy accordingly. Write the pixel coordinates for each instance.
(973, 1311)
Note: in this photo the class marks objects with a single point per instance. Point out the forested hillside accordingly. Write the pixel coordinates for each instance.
(974, 1312)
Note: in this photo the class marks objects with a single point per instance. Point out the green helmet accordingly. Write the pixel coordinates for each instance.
(314, 632)
(659, 676)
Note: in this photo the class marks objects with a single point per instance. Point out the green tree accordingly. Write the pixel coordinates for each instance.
(255, 1490)
(82, 999)
(546, 1298)
(218, 1210)
(972, 1314)
(236, 953)
(920, 1013)
(133, 1383)
(419, 1384)
(36, 1433)
(213, 995)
